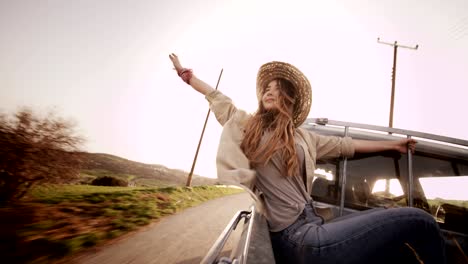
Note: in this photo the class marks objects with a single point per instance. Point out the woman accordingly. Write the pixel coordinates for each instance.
(274, 159)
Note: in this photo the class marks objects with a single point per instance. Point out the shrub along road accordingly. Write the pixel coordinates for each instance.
(181, 238)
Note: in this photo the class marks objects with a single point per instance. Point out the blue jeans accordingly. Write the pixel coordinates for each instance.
(372, 236)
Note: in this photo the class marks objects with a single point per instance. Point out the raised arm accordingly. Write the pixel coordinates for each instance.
(368, 146)
(187, 75)
(221, 105)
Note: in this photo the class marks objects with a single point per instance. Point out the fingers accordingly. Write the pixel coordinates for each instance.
(175, 62)
(407, 144)
(411, 143)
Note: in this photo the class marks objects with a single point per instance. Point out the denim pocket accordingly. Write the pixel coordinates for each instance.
(292, 228)
(299, 234)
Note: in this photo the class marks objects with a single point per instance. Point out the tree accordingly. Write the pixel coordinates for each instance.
(35, 150)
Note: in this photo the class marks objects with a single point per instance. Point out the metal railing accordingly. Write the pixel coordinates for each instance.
(215, 251)
(326, 121)
(373, 128)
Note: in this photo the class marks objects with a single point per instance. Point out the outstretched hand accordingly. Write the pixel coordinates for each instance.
(402, 145)
(175, 62)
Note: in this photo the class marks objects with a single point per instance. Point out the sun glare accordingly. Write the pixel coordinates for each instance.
(394, 187)
(447, 188)
(323, 173)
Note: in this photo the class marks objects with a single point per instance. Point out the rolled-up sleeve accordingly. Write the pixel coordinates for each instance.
(333, 147)
(221, 105)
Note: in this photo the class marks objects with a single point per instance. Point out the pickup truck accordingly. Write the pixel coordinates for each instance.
(434, 178)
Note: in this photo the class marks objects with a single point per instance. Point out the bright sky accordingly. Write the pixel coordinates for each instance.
(105, 65)
(454, 187)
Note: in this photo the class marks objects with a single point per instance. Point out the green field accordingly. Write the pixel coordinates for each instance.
(68, 218)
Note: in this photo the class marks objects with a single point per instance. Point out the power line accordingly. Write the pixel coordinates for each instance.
(460, 29)
(460, 24)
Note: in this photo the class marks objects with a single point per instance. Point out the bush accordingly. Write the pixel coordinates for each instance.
(109, 181)
(35, 150)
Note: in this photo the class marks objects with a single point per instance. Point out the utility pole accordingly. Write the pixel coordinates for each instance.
(395, 46)
(189, 179)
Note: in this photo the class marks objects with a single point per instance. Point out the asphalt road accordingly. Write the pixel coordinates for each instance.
(183, 238)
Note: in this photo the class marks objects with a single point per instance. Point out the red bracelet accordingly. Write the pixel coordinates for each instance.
(185, 74)
(180, 71)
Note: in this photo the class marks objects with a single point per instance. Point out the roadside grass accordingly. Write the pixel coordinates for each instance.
(68, 218)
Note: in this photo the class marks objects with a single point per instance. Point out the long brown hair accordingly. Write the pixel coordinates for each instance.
(279, 123)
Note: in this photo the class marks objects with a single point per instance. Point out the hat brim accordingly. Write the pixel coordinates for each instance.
(277, 69)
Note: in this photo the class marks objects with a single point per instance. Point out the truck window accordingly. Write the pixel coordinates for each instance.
(375, 181)
(325, 186)
(444, 183)
(381, 180)
(372, 181)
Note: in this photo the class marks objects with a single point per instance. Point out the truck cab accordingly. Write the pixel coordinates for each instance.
(434, 178)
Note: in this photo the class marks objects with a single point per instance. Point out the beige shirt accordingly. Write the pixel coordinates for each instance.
(284, 196)
(233, 166)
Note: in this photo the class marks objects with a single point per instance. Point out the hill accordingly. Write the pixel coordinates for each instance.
(136, 173)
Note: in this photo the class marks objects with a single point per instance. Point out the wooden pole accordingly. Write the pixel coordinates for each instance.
(189, 179)
(395, 46)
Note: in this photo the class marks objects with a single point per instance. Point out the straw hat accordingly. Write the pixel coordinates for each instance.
(278, 69)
